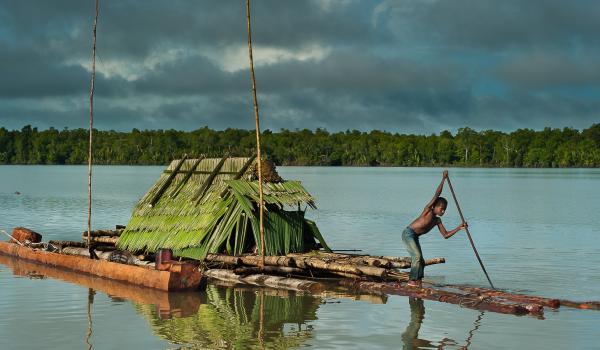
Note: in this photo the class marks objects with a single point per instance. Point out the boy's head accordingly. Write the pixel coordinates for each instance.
(439, 206)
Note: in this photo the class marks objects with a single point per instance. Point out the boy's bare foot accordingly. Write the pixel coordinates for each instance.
(417, 283)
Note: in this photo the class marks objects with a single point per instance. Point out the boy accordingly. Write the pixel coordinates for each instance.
(420, 226)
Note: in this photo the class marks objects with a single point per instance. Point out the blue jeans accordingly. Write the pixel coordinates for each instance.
(417, 265)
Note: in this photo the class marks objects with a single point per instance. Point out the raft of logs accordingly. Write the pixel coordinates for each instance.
(314, 272)
(378, 275)
(106, 237)
(321, 263)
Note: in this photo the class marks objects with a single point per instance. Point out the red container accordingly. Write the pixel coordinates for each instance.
(163, 256)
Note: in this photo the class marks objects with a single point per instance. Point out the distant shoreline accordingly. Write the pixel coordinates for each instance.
(523, 148)
(330, 166)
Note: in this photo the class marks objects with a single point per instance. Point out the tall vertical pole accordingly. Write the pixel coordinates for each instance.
(257, 121)
(89, 239)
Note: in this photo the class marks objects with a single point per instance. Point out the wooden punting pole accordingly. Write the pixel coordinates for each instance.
(468, 233)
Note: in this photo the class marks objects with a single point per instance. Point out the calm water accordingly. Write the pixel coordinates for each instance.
(536, 230)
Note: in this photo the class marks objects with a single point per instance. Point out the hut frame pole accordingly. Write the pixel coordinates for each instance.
(92, 86)
(257, 122)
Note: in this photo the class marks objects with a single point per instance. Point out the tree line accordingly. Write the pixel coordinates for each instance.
(550, 147)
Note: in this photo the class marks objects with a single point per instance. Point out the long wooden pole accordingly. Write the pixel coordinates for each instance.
(92, 85)
(257, 122)
(468, 233)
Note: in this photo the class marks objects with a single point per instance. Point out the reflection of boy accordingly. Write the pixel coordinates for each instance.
(424, 223)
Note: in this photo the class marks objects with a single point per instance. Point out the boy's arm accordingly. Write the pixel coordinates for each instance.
(438, 191)
(447, 234)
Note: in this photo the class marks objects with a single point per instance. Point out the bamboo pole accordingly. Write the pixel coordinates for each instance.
(92, 86)
(468, 233)
(257, 122)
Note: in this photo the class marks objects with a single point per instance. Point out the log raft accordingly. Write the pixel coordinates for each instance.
(469, 300)
(378, 275)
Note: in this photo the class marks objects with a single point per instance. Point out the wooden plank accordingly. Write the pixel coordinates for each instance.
(167, 183)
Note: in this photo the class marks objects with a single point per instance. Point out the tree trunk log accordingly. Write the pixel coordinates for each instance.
(406, 264)
(276, 270)
(104, 239)
(227, 259)
(107, 233)
(68, 244)
(325, 266)
(265, 280)
(255, 260)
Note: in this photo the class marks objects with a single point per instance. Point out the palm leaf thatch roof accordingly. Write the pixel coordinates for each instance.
(208, 205)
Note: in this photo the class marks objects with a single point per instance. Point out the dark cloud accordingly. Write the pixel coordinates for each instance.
(497, 25)
(535, 70)
(409, 66)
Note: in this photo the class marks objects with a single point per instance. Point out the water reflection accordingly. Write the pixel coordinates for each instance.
(410, 337)
(231, 316)
(90, 301)
(236, 317)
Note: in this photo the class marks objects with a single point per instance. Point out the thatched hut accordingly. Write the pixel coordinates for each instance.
(209, 205)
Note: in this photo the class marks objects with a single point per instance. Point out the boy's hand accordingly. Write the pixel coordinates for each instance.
(445, 174)
(464, 225)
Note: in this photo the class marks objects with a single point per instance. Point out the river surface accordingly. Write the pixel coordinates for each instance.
(537, 231)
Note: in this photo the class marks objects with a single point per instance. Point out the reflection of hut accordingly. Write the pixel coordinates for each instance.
(234, 318)
(209, 205)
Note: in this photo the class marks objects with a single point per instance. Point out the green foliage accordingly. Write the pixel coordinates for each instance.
(228, 318)
(521, 148)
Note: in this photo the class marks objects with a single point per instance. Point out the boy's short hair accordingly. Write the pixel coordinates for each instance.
(441, 200)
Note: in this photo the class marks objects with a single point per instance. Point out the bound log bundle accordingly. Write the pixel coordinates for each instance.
(103, 240)
(315, 263)
(106, 237)
(510, 297)
(265, 280)
(68, 244)
(105, 233)
(469, 300)
(588, 305)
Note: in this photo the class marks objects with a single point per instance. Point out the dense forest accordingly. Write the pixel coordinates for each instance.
(522, 148)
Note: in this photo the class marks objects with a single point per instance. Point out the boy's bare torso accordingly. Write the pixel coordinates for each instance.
(425, 222)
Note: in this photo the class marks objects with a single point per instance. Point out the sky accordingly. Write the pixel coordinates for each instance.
(410, 66)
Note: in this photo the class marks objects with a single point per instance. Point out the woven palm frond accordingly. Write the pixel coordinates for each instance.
(201, 206)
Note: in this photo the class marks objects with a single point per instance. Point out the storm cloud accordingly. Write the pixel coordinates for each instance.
(404, 66)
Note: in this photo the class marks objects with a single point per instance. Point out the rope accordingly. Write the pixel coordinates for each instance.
(257, 122)
(92, 86)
